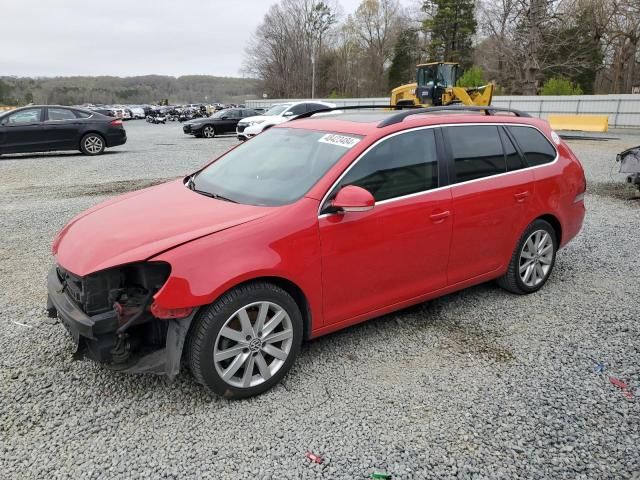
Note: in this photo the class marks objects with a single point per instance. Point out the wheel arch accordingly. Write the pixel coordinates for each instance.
(288, 286)
(555, 223)
(296, 292)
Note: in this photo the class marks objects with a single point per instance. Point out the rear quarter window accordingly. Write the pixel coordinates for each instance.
(81, 114)
(534, 145)
(477, 152)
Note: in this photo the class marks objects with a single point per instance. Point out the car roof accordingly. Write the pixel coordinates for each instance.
(48, 106)
(368, 122)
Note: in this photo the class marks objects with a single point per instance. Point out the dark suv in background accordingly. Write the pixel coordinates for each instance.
(45, 128)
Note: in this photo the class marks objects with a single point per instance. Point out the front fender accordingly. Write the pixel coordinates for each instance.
(285, 246)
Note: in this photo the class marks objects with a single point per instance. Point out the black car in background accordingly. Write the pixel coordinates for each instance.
(44, 128)
(224, 121)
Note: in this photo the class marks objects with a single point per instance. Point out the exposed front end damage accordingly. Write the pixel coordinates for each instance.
(630, 164)
(109, 316)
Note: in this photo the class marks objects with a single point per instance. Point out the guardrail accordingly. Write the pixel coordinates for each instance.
(623, 110)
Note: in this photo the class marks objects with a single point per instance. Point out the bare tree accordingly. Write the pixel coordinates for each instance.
(377, 24)
(285, 47)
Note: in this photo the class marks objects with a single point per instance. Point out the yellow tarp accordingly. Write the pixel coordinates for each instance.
(583, 123)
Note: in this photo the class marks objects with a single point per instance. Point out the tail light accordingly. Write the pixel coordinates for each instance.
(116, 123)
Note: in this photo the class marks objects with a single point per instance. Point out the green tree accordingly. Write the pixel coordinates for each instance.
(473, 77)
(403, 63)
(560, 86)
(451, 25)
(574, 51)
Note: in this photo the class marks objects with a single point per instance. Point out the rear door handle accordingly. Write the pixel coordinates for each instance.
(439, 216)
(521, 196)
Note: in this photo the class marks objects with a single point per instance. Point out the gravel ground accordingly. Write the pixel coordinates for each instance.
(478, 384)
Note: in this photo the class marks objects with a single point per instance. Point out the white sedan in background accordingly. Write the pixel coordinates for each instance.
(277, 114)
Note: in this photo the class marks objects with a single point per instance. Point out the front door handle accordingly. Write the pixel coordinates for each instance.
(439, 216)
(521, 196)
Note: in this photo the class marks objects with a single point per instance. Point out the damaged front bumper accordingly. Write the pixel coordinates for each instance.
(96, 336)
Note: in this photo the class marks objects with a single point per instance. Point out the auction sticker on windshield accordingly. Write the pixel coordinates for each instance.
(340, 140)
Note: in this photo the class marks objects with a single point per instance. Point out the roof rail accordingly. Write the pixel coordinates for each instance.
(357, 107)
(409, 110)
(488, 110)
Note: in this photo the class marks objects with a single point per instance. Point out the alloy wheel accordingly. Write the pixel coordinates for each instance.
(253, 344)
(208, 132)
(536, 258)
(93, 144)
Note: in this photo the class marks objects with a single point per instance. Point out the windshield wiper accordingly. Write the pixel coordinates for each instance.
(191, 185)
(213, 195)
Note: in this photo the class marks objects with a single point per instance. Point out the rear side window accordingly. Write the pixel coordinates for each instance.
(81, 114)
(400, 165)
(60, 114)
(514, 160)
(534, 145)
(312, 107)
(477, 152)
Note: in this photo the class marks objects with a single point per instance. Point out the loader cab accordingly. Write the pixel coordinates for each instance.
(433, 79)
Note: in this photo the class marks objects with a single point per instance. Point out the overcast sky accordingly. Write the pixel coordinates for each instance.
(129, 37)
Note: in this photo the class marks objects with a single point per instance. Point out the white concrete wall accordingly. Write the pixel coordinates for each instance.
(623, 110)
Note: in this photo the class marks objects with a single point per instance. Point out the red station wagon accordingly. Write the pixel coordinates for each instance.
(310, 227)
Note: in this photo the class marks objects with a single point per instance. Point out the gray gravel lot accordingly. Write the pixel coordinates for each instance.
(478, 384)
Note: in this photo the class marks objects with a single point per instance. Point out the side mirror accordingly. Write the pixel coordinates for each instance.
(224, 117)
(287, 114)
(353, 199)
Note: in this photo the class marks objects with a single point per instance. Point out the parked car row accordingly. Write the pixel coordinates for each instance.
(248, 122)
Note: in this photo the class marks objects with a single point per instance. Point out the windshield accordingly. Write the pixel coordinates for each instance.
(442, 74)
(275, 168)
(277, 110)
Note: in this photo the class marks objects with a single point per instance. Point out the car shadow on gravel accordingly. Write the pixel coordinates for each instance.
(616, 190)
(110, 188)
(433, 319)
(115, 187)
(48, 155)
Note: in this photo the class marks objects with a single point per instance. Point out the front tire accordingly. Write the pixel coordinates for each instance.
(533, 259)
(245, 342)
(92, 144)
(208, 131)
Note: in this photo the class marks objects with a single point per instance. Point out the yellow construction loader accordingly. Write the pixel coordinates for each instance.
(436, 85)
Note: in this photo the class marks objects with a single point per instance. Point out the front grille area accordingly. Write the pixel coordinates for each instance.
(72, 285)
(91, 293)
(241, 128)
(96, 293)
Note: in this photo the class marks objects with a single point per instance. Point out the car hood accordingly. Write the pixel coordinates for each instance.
(141, 224)
(197, 121)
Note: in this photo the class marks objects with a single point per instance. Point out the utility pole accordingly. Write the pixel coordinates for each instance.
(313, 72)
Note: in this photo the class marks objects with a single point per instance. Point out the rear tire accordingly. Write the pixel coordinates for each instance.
(92, 144)
(532, 260)
(246, 341)
(208, 131)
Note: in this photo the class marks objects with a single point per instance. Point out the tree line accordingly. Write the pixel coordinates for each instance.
(526, 46)
(130, 90)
